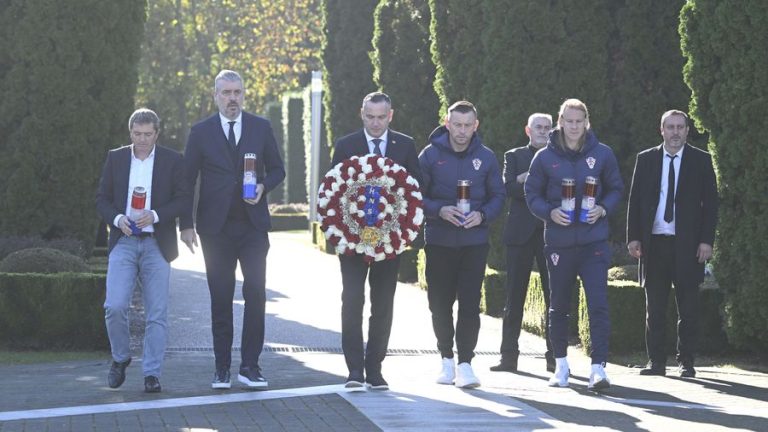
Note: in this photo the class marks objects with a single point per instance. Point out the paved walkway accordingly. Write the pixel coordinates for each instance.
(305, 368)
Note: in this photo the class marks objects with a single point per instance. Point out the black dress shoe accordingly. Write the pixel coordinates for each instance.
(116, 376)
(355, 380)
(687, 371)
(252, 377)
(653, 369)
(152, 384)
(376, 382)
(505, 365)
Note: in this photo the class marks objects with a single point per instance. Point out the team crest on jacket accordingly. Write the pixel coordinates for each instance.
(591, 162)
(476, 163)
(555, 258)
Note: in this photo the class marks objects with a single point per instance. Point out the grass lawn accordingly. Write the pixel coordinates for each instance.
(8, 358)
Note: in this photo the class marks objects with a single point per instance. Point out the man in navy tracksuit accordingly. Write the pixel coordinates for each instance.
(575, 247)
(457, 240)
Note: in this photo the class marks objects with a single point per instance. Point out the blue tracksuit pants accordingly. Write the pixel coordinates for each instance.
(590, 263)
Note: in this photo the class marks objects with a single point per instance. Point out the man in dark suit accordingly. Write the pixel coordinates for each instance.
(671, 223)
(232, 228)
(142, 241)
(376, 138)
(524, 236)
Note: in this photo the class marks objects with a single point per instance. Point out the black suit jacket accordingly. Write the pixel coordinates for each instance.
(170, 197)
(208, 155)
(520, 221)
(400, 148)
(695, 206)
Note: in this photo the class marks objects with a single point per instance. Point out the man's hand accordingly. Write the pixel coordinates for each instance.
(595, 213)
(189, 238)
(452, 214)
(124, 226)
(559, 217)
(521, 177)
(473, 219)
(259, 192)
(635, 248)
(704, 253)
(145, 219)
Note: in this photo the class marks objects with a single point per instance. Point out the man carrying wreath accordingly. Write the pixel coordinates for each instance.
(375, 138)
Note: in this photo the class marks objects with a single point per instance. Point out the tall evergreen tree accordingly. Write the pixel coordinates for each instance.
(646, 76)
(403, 67)
(457, 52)
(293, 144)
(348, 73)
(68, 81)
(724, 42)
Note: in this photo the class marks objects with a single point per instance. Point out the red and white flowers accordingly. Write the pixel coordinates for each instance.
(369, 205)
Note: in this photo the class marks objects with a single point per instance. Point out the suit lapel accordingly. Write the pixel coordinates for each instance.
(362, 146)
(655, 172)
(687, 169)
(219, 140)
(122, 178)
(392, 147)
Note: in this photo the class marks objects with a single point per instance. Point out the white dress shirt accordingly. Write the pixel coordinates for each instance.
(238, 126)
(660, 226)
(140, 175)
(382, 144)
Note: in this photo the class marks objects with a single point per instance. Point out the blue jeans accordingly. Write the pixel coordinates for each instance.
(132, 258)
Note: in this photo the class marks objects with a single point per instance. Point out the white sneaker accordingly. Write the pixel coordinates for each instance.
(597, 378)
(562, 371)
(465, 377)
(447, 373)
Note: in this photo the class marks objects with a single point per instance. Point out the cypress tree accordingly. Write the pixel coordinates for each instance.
(724, 42)
(402, 65)
(457, 51)
(646, 77)
(325, 151)
(273, 111)
(348, 74)
(293, 143)
(68, 78)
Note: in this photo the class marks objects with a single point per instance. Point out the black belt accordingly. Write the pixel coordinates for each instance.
(663, 236)
(145, 234)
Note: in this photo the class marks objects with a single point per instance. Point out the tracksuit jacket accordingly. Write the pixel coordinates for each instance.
(441, 168)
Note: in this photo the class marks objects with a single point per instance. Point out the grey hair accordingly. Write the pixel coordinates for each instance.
(226, 75)
(534, 116)
(672, 112)
(144, 116)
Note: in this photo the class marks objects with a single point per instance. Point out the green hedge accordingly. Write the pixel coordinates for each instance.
(627, 312)
(724, 45)
(409, 271)
(289, 222)
(318, 239)
(54, 311)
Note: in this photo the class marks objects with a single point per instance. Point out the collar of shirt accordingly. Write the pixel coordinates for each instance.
(238, 126)
(382, 145)
(679, 154)
(150, 156)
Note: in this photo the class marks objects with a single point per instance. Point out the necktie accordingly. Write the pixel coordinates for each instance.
(231, 135)
(669, 210)
(376, 148)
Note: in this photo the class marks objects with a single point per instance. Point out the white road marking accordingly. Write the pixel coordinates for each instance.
(170, 403)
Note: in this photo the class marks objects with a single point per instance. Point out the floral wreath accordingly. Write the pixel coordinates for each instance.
(369, 205)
